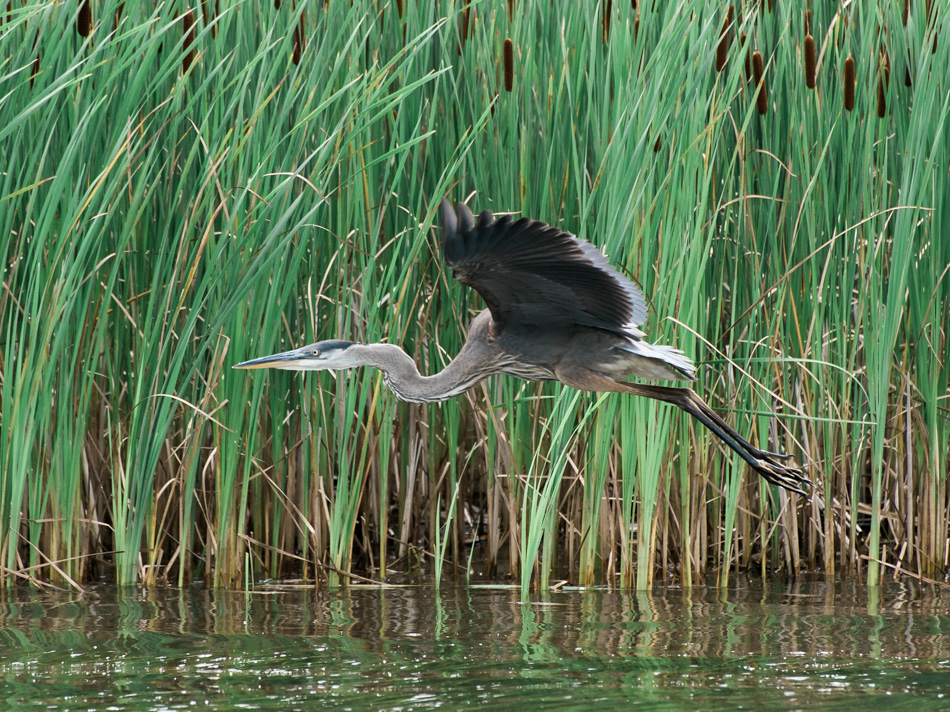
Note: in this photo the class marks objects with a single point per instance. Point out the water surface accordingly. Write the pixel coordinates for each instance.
(755, 646)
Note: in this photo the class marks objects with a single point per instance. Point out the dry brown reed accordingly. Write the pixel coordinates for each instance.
(758, 74)
(849, 83)
(84, 20)
(188, 32)
(722, 48)
(509, 54)
(809, 61)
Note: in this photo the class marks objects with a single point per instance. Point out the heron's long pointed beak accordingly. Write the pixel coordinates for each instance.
(284, 359)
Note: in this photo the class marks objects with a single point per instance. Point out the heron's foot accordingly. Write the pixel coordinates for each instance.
(791, 478)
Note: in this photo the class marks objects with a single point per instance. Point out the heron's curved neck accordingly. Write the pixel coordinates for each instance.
(404, 379)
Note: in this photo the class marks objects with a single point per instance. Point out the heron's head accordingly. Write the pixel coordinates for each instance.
(321, 356)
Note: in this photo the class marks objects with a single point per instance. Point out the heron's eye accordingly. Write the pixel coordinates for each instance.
(315, 352)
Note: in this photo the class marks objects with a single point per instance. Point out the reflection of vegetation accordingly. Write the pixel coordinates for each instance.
(159, 227)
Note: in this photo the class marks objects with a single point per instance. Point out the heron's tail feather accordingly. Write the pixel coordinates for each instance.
(659, 362)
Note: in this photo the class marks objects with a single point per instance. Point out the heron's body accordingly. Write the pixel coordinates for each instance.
(556, 311)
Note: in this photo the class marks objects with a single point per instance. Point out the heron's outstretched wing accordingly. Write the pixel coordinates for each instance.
(532, 274)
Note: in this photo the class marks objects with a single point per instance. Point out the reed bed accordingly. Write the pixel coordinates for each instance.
(187, 186)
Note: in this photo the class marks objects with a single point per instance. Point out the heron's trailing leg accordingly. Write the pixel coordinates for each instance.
(762, 461)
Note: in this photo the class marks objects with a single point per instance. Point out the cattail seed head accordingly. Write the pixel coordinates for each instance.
(463, 31)
(906, 12)
(881, 97)
(748, 58)
(399, 8)
(509, 64)
(608, 6)
(809, 61)
(722, 48)
(84, 20)
(300, 40)
(188, 32)
(849, 84)
(758, 73)
(658, 146)
(907, 79)
(511, 10)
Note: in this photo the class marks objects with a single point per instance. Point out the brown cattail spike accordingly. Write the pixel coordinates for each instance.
(608, 7)
(748, 58)
(463, 31)
(758, 73)
(509, 64)
(849, 84)
(399, 8)
(906, 11)
(722, 49)
(809, 61)
(300, 40)
(907, 80)
(84, 21)
(188, 32)
(511, 10)
(881, 97)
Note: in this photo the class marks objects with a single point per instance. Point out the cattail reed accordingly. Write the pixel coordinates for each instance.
(84, 20)
(509, 64)
(808, 22)
(809, 61)
(658, 146)
(277, 4)
(511, 10)
(758, 73)
(722, 48)
(636, 30)
(906, 12)
(605, 20)
(849, 84)
(399, 8)
(188, 32)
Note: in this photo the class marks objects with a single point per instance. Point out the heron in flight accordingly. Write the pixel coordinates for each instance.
(557, 311)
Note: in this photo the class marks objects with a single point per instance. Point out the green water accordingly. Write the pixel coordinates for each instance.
(782, 646)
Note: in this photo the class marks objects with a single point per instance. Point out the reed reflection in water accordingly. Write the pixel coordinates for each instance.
(785, 646)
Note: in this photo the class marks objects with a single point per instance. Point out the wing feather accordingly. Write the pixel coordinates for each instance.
(532, 274)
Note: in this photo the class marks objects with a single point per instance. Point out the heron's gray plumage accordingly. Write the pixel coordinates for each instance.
(556, 311)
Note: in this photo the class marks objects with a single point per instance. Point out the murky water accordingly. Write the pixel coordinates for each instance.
(785, 646)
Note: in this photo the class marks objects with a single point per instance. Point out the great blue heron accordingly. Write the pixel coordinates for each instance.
(557, 311)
